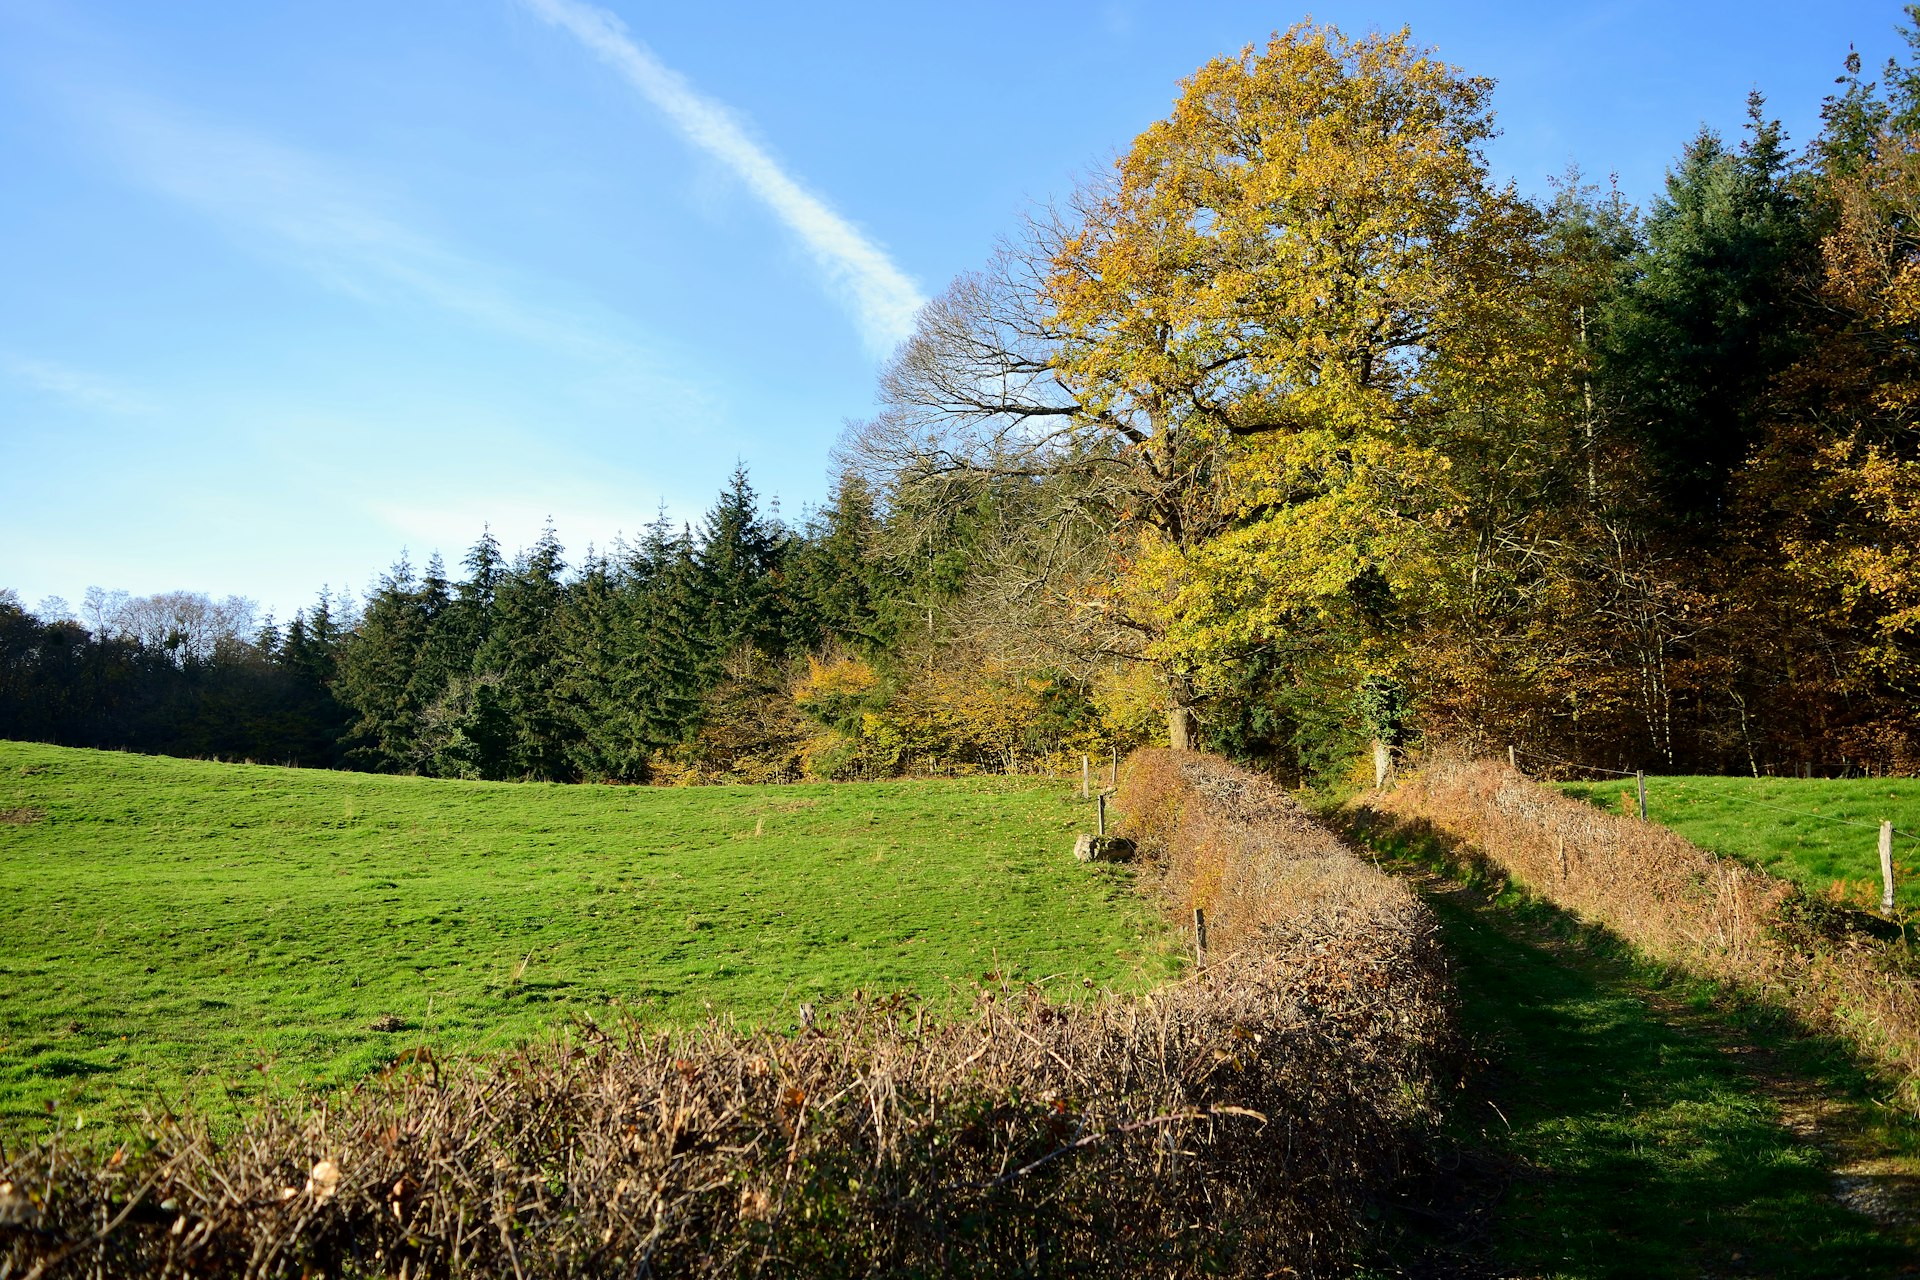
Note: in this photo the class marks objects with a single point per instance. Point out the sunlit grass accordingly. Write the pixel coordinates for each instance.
(175, 928)
(1814, 831)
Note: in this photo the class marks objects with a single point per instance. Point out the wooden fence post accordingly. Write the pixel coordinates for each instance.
(1561, 842)
(1886, 868)
(1103, 813)
(1382, 764)
(1640, 779)
(1086, 777)
(1199, 938)
(1513, 759)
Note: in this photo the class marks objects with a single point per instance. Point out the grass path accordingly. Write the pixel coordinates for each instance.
(1615, 1121)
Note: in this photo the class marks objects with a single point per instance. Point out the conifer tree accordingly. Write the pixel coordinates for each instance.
(671, 662)
(595, 633)
(1708, 314)
(439, 659)
(307, 655)
(841, 584)
(738, 555)
(378, 670)
(519, 651)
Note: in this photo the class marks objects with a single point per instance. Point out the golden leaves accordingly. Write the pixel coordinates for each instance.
(1305, 215)
(1286, 280)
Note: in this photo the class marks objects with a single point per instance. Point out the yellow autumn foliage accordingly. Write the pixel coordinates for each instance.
(1294, 277)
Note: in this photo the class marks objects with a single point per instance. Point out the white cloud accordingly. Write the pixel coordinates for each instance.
(86, 390)
(884, 300)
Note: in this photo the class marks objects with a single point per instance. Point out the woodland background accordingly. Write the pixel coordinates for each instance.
(1292, 431)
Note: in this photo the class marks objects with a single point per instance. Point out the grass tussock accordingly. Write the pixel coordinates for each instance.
(1839, 970)
(1232, 1123)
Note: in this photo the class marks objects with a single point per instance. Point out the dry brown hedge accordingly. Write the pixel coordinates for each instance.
(1233, 1123)
(1680, 903)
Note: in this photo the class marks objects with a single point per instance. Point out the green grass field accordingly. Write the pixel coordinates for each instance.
(1813, 831)
(176, 929)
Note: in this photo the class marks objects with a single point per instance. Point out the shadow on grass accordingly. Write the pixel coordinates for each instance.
(1621, 1120)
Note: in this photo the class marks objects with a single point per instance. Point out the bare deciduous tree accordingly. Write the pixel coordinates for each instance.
(190, 625)
(980, 400)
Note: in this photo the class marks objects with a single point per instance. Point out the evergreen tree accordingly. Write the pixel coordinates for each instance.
(738, 558)
(469, 616)
(440, 658)
(841, 581)
(596, 634)
(1707, 315)
(308, 655)
(520, 651)
(1853, 120)
(378, 670)
(669, 653)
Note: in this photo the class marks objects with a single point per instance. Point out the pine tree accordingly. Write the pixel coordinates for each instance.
(439, 659)
(469, 615)
(596, 636)
(739, 554)
(378, 669)
(841, 582)
(315, 722)
(1708, 314)
(671, 657)
(520, 651)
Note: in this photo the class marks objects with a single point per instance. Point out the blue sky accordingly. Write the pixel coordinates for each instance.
(287, 288)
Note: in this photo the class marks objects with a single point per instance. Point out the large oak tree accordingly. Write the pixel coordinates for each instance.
(1223, 358)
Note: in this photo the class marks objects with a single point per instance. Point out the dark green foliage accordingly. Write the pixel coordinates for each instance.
(840, 584)
(1381, 706)
(267, 698)
(378, 672)
(594, 634)
(675, 645)
(1855, 119)
(520, 653)
(1706, 314)
(740, 558)
(667, 653)
(520, 669)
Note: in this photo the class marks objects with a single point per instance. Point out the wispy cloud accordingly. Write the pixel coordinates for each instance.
(88, 391)
(884, 300)
(292, 206)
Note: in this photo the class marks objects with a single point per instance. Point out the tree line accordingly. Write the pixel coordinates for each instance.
(1362, 444)
(1295, 429)
(741, 649)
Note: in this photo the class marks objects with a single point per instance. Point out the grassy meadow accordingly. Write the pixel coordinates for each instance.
(1816, 831)
(176, 929)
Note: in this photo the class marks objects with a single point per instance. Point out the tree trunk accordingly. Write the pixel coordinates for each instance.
(1181, 729)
